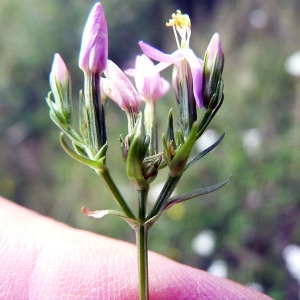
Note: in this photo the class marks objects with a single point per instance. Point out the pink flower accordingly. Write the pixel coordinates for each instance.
(119, 88)
(60, 82)
(147, 79)
(213, 68)
(195, 63)
(214, 53)
(94, 44)
(59, 72)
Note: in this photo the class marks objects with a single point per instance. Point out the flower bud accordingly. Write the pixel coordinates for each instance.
(183, 86)
(94, 44)
(60, 83)
(213, 68)
(150, 166)
(119, 88)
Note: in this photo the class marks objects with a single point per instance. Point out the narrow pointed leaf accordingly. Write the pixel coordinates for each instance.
(204, 152)
(185, 197)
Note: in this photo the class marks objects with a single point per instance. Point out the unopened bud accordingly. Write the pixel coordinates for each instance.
(60, 83)
(212, 69)
(94, 44)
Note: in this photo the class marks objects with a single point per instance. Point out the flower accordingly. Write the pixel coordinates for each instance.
(213, 68)
(195, 63)
(147, 79)
(119, 88)
(94, 44)
(182, 24)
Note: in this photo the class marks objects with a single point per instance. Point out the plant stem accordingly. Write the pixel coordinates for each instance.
(105, 174)
(151, 126)
(142, 256)
(164, 195)
(142, 246)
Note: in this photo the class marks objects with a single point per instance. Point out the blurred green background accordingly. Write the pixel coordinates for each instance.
(246, 226)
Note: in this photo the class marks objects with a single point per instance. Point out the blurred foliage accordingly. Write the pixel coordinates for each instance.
(254, 216)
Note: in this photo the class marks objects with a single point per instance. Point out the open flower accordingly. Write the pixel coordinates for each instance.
(94, 44)
(182, 24)
(147, 79)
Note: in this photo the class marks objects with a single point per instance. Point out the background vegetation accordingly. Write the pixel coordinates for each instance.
(253, 218)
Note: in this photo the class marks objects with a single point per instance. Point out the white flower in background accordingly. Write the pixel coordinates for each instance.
(155, 190)
(292, 64)
(291, 257)
(207, 139)
(204, 243)
(252, 140)
(218, 268)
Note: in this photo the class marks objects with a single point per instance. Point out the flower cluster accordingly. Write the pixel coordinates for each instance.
(197, 85)
(198, 88)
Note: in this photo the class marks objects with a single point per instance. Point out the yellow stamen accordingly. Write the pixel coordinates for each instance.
(182, 24)
(179, 20)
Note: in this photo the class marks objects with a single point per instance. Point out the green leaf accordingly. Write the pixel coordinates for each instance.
(204, 152)
(203, 191)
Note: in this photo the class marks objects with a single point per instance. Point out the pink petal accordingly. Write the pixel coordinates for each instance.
(94, 44)
(119, 88)
(156, 54)
(196, 65)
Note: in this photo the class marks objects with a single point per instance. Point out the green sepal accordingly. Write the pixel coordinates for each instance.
(94, 164)
(123, 148)
(59, 117)
(101, 153)
(182, 153)
(217, 96)
(138, 146)
(215, 104)
(204, 152)
(168, 140)
(67, 129)
(80, 150)
(83, 118)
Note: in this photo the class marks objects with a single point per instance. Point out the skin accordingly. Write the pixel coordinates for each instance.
(44, 259)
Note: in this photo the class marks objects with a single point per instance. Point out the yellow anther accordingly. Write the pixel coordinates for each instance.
(182, 24)
(179, 20)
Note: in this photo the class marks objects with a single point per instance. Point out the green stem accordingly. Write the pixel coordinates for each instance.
(204, 122)
(142, 253)
(164, 195)
(105, 174)
(142, 247)
(151, 126)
